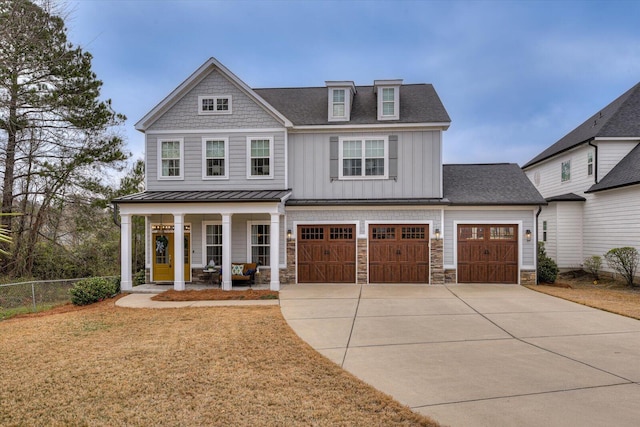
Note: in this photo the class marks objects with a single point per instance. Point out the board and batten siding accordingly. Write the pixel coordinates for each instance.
(193, 164)
(419, 156)
(246, 113)
(487, 216)
(611, 220)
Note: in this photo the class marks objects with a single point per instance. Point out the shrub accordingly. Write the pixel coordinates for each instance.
(139, 278)
(93, 289)
(624, 261)
(547, 267)
(592, 266)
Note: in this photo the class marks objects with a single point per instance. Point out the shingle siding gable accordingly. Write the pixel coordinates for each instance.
(246, 113)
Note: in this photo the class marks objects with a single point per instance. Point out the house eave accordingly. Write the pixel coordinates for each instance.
(376, 126)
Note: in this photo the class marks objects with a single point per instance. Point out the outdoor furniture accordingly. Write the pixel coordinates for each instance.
(243, 273)
(212, 275)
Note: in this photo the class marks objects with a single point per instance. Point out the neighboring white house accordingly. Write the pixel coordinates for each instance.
(591, 181)
(334, 184)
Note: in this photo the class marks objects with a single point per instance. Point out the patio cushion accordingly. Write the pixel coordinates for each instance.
(237, 269)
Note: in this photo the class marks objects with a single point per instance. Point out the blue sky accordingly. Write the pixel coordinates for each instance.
(515, 76)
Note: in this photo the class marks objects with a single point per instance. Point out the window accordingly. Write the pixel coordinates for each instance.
(338, 103)
(170, 158)
(388, 101)
(566, 171)
(544, 231)
(590, 163)
(501, 233)
(214, 104)
(260, 243)
(214, 157)
(364, 158)
(260, 157)
(213, 243)
(388, 98)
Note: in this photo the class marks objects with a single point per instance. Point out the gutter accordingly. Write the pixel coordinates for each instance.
(535, 244)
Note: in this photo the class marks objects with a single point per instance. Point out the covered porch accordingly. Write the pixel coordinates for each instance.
(203, 228)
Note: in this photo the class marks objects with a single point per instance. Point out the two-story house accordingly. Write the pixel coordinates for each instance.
(333, 184)
(591, 181)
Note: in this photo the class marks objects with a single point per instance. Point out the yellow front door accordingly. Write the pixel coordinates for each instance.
(163, 259)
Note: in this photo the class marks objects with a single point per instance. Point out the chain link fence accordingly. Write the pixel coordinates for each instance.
(33, 296)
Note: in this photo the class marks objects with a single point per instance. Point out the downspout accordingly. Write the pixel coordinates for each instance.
(595, 161)
(535, 244)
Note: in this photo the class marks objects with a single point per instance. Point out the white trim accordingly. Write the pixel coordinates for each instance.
(206, 177)
(180, 177)
(489, 222)
(214, 131)
(378, 126)
(617, 138)
(286, 162)
(203, 208)
(271, 157)
(215, 99)
(363, 157)
(499, 208)
(347, 105)
(426, 208)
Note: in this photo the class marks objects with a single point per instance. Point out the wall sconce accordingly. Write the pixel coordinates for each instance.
(437, 234)
(527, 235)
(289, 235)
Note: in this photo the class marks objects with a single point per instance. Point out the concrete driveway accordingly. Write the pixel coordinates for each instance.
(477, 355)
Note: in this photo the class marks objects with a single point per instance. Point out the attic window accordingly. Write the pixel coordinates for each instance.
(340, 96)
(388, 99)
(214, 104)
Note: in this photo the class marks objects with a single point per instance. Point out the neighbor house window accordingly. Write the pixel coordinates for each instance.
(544, 231)
(364, 157)
(566, 171)
(590, 163)
(259, 244)
(214, 157)
(260, 161)
(170, 158)
(213, 244)
(214, 104)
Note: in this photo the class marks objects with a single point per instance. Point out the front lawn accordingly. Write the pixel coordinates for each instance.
(104, 365)
(606, 294)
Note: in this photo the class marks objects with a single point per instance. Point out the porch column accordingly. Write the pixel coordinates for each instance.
(178, 252)
(274, 252)
(226, 252)
(126, 285)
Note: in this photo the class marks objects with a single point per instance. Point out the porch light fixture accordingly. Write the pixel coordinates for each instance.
(527, 235)
(289, 235)
(437, 234)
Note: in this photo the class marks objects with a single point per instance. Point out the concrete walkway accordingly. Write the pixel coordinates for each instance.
(477, 355)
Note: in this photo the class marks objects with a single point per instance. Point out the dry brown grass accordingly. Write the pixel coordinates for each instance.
(215, 294)
(104, 365)
(606, 295)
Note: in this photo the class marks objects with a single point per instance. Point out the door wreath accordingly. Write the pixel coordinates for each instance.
(161, 244)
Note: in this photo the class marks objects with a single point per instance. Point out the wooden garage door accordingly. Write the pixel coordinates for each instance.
(488, 253)
(326, 254)
(399, 253)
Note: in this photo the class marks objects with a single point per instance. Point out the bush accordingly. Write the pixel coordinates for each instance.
(547, 268)
(624, 261)
(93, 289)
(592, 266)
(139, 278)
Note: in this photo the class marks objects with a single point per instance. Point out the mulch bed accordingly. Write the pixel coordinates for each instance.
(215, 295)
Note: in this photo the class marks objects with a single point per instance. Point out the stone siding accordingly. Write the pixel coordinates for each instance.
(361, 262)
(437, 268)
(527, 277)
(450, 276)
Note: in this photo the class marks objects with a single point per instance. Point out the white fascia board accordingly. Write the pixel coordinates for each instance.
(214, 131)
(617, 138)
(190, 208)
(192, 80)
(376, 126)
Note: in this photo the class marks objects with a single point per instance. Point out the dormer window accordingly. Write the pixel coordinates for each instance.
(340, 97)
(214, 104)
(388, 99)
